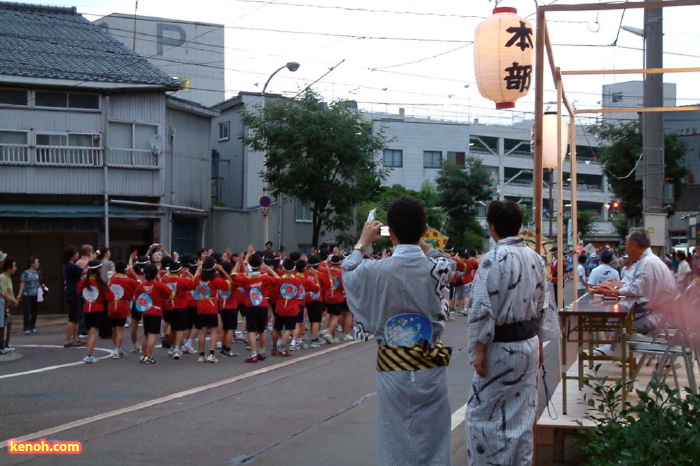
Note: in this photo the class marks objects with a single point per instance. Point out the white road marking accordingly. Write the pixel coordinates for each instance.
(458, 416)
(147, 404)
(51, 368)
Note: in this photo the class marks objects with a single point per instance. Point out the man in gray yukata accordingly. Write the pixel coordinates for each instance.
(413, 407)
(509, 304)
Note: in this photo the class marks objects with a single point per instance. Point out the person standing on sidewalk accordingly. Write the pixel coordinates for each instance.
(413, 405)
(71, 276)
(30, 282)
(8, 267)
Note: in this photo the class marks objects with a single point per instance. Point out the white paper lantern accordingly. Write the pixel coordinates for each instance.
(549, 139)
(503, 57)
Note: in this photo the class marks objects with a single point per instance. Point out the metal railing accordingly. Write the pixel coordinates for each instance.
(72, 156)
(14, 154)
(77, 156)
(133, 158)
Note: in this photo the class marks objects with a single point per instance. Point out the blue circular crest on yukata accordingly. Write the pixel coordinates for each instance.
(335, 283)
(203, 290)
(118, 291)
(172, 286)
(302, 292)
(256, 297)
(288, 291)
(225, 294)
(143, 302)
(407, 329)
(314, 295)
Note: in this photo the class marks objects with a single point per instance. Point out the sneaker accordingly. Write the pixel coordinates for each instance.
(90, 359)
(347, 337)
(212, 359)
(218, 345)
(228, 353)
(149, 361)
(35, 331)
(262, 356)
(115, 354)
(305, 345)
(27, 332)
(188, 349)
(252, 359)
(335, 340)
(82, 337)
(177, 354)
(328, 338)
(604, 350)
(135, 350)
(171, 351)
(122, 354)
(294, 347)
(285, 354)
(275, 352)
(315, 343)
(201, 358)
(142, 359)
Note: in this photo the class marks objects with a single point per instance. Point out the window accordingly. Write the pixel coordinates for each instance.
(393, 158)
(302, 211)
(224, 130)
(432, 159)
(456, 158)
(134, 145)
(13, 97)
(66, 100)
(13, 147)
(68, 149)
(616, 97)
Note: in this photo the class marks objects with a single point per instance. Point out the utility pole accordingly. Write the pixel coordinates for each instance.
(652, 128)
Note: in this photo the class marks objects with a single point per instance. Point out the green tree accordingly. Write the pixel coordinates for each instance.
(585, 223)
(323, 155)
(621, 146)
(459, 191)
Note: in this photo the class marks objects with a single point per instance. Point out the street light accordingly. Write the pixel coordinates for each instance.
(291, 66)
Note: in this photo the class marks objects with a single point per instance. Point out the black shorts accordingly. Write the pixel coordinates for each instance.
(314, 309)
(207, 321)
(135, 314)
(300, 315)
(151, 325)
(229, 318)
(191, 317)
(167, 316)
(178, 319)
(94, 319)
(117, 321)
(284, 322)
(453, 290)
(335, 309)
(256, 319)
(75, 309)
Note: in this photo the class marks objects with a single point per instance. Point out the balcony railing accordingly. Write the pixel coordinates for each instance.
(133, 158)
(77, 156)
(72, 156)
(14, 154)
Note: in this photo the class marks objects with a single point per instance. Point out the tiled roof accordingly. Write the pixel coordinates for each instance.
(58, 43)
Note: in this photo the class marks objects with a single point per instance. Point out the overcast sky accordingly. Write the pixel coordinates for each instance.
(415, 54)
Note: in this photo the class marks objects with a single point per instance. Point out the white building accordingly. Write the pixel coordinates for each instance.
(191, 52)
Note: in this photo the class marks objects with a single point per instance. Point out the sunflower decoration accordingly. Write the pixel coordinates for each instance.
(435, 239)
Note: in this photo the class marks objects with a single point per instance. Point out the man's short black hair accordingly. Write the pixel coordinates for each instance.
(406, 218)
(506, 218)
(295, 256)
(150, 271)
(120, 266)
(255, 261)
(582, 259)
(606, 256)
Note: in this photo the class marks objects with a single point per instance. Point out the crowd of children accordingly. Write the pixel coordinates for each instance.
(185, 299)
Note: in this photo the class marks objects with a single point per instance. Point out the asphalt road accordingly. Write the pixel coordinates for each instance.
(315, 408)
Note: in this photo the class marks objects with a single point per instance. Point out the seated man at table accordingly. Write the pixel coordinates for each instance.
(650, 282)
(603, 272)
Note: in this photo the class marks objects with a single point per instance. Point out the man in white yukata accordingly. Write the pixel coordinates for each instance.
(508, 304)
(413, 407)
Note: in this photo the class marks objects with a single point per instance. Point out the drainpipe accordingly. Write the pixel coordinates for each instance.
(105, 171)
